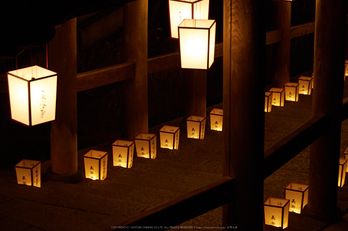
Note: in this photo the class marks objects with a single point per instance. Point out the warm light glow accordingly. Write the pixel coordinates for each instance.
(276, 212)
(342, 172)
(345, 69)
(28, 172)
(298, 196)
(277, 96)
(186, 9)
(197, 43)
(146, 145)
(169, 137)
(216, 119)
(305, 85)
(346, 156)
(96, 165)
(196, 127)
(123, 152)
(268, 101)
(32, 93)
(291, 92)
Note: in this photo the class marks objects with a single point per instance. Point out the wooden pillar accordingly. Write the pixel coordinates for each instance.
(243, 104)
(329, 56)
(136, 90)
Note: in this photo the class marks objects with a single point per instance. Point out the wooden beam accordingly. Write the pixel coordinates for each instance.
(301, 30)
(274, 36)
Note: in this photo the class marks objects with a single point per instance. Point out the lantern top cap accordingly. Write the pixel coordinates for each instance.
(95, 154)
(32, 72)
(123, 142)
(196, 23)
(296, 186)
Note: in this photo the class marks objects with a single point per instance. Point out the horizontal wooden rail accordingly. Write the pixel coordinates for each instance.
(301, 30)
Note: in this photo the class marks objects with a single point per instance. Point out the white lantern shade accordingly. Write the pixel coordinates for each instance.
(123, 153)
(146, 145)
(216, 119)
(305, 85)
(277, 96)
(196, 127)
(169, 137)
(268, 101)
(96, 163)
(276, 211)
(197, 43)
(298, 196)
(342, 172)
(28, 172)
(291, 92)
(186, 9)
(32, 93)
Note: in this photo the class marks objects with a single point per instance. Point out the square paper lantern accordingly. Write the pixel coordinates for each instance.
(169, 137)
(342, 171)
(123, 152)
(216, 119)
(197, 43)
(277, 96)
(96, 165)
(268, 101)
(345, 69)
(305, 85)
(190, 9)
(28, 172)
(276, 212)
(146, 145)
(196, 127)
(298, 196)
(291, 92)
(32, 93)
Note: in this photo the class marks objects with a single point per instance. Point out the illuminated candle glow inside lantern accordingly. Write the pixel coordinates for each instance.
(345, 69)
(277, 96)
(291, 92)
(276, 211)
(123, 152)
(216, 119)
(268, 101)
(96, 163)
(298, 196)
(197, 43)
(169, 137)
(186, 9)
(342, 171)
(305, 85)
(146, 145)
(28, 172)
(196, 127)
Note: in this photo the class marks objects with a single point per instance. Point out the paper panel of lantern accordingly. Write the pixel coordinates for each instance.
(197, 43)
(146, 145)
(32, 93)
(276, 211)
(345, 69)
(298, 196)
(123, 153)
(342, 171)
(96, 165)
(277, 96)
(216, 119)
(305, 85)
(186, 9)
(268, 101)
(291, 92)
(28, 172)
(196, 127)
(169, 137)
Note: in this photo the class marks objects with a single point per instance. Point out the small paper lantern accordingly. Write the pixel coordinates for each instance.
(268, 101)
(182, 9)
(277, 96)
(197, 43)
(276, 212)
(123, 152)
(216, 119)
(96, 165)
(345, 69)
(196, 127)
(305, 85)
(291, 92)
(298, 196)
(169, 137)
(28, 172)
(342, 171)
(146, 145)
(32, 93)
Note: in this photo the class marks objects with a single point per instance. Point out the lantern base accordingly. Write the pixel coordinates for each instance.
(74, 178)
(332, 216)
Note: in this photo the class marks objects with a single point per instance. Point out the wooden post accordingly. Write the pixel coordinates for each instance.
(329, 56)
(135, 21)
(243, 105)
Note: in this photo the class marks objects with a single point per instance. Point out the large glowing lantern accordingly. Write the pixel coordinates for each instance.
(96, 165)
(216, 119)
(342, 171)
(298, 196)
(196, 127)
(276, 212)
(190, 9)
(169, 137)
(305, 85)
(291, 92)
(268, 101)
(33, 93)
(277, 96)
(146, 145)
(28, 172)
(123, 152)
(197, 43)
